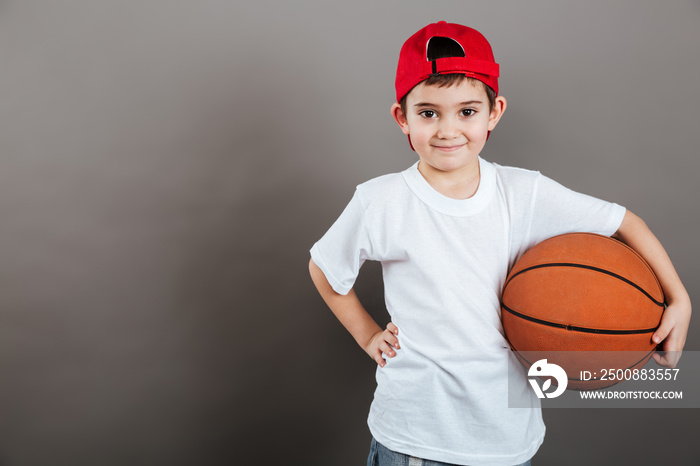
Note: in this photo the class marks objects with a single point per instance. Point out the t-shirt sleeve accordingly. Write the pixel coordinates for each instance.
(343, 249)
(558, 210)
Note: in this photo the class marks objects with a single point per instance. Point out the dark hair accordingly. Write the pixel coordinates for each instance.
(448, 80)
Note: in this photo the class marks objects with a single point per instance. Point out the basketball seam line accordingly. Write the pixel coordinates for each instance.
(589, 267)
(578, 329)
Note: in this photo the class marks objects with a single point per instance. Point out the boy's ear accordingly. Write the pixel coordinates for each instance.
(499, 106)
(399, 117)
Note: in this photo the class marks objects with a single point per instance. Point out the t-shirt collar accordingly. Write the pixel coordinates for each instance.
(447, 205)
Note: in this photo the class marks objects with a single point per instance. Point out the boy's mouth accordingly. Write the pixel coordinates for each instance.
(450, 148)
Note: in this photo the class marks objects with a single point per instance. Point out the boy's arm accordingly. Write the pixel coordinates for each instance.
(676, 318)
(356, 320)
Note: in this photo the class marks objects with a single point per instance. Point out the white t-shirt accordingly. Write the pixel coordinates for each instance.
(444, 396)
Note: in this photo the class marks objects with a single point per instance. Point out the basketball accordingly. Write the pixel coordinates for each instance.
(582, 292)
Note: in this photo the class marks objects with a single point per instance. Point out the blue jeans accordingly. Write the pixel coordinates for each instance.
(379, 455)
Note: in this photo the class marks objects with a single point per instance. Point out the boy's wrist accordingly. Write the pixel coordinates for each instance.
(366, 341)
(680, 304)
(678, 298)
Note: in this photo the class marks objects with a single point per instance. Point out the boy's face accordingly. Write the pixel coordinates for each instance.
(448, 126)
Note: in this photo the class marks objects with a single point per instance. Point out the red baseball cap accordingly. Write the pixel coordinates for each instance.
(475, 59)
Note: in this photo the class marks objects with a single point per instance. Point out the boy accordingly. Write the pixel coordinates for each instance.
(446, 231)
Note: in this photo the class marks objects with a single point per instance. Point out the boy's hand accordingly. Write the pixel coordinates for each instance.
(384, 341)
(672, 333)
(674, 323)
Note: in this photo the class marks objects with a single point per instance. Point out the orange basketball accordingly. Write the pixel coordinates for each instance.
(583, 292)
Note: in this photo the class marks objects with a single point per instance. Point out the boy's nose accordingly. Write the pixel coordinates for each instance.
(447, 129)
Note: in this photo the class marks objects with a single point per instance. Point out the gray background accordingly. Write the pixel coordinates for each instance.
(166, 165)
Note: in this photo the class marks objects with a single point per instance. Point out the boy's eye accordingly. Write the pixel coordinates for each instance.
(468, 112)
(427, 113)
